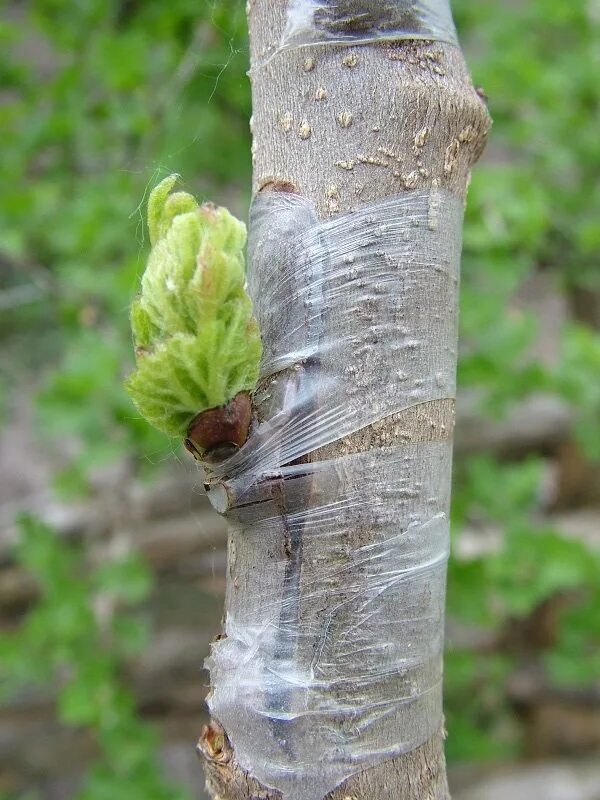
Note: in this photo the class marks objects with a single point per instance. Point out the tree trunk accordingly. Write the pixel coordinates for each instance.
(347, 126)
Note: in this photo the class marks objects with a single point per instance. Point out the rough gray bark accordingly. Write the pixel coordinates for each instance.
(346, 126)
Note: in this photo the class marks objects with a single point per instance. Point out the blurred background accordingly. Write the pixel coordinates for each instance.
(111, 562)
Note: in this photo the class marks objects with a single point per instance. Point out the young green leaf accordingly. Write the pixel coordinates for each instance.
(197, 341)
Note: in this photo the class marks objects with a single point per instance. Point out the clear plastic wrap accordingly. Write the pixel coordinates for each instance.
(332, 655)
(313, 683)
(362, 307)
(359, 21)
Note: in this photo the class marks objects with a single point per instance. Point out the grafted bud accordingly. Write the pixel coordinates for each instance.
(197, 341)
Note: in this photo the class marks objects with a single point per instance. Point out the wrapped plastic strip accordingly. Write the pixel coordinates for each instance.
(332, 657)
(328, 671)
(362, 307)
(360, 21)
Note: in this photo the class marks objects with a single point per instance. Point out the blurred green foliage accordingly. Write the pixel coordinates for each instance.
(78, 637)
(496, 596)
(101, 98)
(534, 204)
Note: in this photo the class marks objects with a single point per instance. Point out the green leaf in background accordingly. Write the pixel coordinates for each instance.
(65, 643)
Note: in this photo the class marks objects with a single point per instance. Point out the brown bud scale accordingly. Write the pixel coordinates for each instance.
(218, 428)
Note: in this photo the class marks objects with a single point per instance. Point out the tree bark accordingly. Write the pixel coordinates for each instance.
(347, 126)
